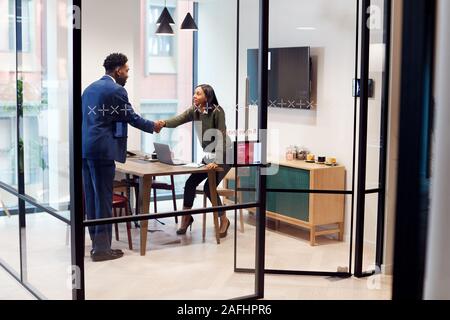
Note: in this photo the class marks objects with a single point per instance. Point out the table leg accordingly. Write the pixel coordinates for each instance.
(213, 191)
(145, 187)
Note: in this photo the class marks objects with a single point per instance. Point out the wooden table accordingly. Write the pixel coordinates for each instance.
(146, 170)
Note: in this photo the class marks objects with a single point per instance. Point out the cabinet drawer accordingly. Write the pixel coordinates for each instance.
(294, 205)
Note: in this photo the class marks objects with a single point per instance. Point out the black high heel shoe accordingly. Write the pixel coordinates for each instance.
(224, 234)
(183, 230)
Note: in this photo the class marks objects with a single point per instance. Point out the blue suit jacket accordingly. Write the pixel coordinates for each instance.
(106, 114)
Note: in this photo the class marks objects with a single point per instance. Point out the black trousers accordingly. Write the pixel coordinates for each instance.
(195, 179)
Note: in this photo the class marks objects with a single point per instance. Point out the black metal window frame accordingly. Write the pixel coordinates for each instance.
(361, 192)
(20, 192)
(78, 223)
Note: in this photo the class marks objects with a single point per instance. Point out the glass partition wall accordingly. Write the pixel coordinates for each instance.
(34, 111)
(164, 71)
(41, 195)
(327, 128)
(303, 92)
(311, 113)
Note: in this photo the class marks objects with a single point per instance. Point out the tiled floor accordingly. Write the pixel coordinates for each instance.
(10, 289)
(185, 267)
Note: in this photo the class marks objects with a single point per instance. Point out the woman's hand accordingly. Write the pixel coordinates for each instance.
(212, 166)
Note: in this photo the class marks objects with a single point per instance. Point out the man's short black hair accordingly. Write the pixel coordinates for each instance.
(115, 60)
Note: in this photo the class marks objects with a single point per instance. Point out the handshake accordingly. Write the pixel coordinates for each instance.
(159, 125)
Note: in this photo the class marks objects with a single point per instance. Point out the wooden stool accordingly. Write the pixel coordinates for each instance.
(157, 185)
(224, 193)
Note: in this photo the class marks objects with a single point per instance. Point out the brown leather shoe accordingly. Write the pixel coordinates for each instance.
(104, 256)
(118, 251)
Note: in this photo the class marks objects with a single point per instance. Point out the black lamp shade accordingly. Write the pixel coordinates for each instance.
(165, 16)
(164, 29)
(189, 23)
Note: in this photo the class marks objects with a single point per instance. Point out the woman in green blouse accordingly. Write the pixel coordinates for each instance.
(215, 143)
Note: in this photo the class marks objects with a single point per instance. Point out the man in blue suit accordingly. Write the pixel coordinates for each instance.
(106, 115)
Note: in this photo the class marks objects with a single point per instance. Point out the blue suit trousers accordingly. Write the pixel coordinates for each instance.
(98, 178)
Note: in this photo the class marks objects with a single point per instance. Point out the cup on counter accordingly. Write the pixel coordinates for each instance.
(331, 160)
(321, 159)
(310, 157)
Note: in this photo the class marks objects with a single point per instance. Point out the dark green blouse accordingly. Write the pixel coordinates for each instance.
(213, 119)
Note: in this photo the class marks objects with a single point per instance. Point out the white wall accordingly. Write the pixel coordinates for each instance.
(437, 276)
(326, 130)
(110, 26)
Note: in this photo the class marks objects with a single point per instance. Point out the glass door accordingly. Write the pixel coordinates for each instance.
(34, 111)
(327, 127)
(164, 70)
(373, 138)
(311, 129)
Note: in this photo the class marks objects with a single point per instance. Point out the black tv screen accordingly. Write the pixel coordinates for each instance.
(289, 77)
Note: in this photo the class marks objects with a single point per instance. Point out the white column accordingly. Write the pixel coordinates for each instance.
(51, 119)
(437, 273)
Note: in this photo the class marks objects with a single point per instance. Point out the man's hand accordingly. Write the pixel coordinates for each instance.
(159, 125)
(212, 166)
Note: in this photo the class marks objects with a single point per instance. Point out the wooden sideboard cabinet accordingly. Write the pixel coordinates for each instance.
(321, 214)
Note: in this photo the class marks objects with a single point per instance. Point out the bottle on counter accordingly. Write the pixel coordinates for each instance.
(289, 154)
(302, 153)
(295, 152)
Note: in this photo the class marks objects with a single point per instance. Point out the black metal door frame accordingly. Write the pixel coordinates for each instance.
(362, 191)
(20, 192)
(363, 9)
(78, 223)
(75, 134)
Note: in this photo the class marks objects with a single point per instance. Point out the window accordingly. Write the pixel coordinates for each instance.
(7, 26)
(160, 110)
(7, 150)
(159, 46)
(154, 110)
(160, 54)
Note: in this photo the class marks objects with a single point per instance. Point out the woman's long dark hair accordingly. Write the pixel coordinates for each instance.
(211, 99)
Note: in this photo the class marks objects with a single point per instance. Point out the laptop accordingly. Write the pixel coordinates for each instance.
(165, 155)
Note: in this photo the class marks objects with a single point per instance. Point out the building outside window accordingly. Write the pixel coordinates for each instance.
(7, 26)
(160, 50)
(165, 89)
(43, 84)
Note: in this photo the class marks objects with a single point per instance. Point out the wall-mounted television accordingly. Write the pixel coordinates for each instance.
(289, 77)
